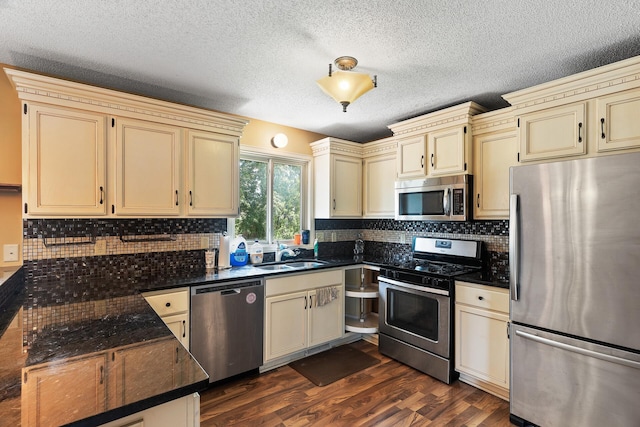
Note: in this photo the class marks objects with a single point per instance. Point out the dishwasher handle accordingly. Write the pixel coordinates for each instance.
(230, 292)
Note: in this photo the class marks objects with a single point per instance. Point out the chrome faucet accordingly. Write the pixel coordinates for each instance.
(283, 250)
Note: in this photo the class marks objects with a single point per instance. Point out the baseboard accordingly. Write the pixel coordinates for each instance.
(485, 386)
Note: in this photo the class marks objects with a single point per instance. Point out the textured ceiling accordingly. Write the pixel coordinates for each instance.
(260, 59)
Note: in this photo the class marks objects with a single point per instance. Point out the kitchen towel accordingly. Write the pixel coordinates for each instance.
(326, 295)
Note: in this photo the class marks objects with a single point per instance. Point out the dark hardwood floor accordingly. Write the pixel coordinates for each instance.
(387, 394)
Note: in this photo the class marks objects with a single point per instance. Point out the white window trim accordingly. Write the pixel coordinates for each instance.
(258, 153)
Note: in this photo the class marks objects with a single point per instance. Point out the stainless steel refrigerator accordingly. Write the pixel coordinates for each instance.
(574, 248)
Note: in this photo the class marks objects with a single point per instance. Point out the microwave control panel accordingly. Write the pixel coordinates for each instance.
(458, 201)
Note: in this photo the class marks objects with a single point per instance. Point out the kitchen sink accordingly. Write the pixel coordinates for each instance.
(275, 267)
(305, 264)
(291, 265)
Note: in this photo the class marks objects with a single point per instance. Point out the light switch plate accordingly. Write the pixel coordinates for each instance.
(204, 242)
(100, 248)
(10, 253)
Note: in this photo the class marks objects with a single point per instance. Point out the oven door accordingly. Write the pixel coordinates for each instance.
(415, 315)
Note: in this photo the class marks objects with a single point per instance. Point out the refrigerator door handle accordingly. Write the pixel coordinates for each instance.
(514, 245)
(582, 351)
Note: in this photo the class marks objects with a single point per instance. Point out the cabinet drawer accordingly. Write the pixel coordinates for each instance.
(170, 302)
(483, 296)
(302, 282)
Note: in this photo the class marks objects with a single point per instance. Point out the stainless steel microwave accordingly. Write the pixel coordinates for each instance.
(447, 198)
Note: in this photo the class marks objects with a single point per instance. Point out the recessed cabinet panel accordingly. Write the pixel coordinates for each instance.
(66, 162)
(285, 324)
(494, 154)
(212, 174)
(619, 124)
(379, 188)
(147, 168)
(552, 133)
(412, 157)
(447, 152)
(347, 186)
(325, 321)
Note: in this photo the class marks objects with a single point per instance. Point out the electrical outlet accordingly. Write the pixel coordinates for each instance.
(320, 236)
(10, 253)
(100, 248)
(204, 242)
(333, 236)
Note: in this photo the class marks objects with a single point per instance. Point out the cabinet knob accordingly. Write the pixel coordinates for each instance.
(481, 298)
(168, 304)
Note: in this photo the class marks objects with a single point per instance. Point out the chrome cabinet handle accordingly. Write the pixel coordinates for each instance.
(580, 132)
(602, 127)
(514, 245)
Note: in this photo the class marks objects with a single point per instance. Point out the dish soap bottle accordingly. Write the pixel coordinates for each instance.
(315, 248)
(256, 253)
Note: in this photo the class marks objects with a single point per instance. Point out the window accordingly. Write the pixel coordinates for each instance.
(273, 197)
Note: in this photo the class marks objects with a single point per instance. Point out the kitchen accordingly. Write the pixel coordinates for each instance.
(380, 234)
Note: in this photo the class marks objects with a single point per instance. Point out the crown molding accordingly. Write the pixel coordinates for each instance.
(452, 116)
(49, 90)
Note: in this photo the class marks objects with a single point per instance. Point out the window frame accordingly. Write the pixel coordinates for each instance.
(306, 191)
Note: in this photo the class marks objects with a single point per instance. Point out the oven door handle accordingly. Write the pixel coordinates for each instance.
(405, 285)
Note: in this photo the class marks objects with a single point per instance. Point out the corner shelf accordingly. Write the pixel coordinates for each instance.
(360, 318)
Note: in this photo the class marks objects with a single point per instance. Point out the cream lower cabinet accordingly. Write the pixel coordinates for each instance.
(181, 412)
(173, 308)
(147, 168)
(294, 320)
(46, 403)
(211, 174)
(64, 155)
(481, 341)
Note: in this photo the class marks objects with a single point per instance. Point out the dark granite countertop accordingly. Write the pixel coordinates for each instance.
(123, 324)
(484, 278)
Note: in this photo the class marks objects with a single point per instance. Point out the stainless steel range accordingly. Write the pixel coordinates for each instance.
(416, 304)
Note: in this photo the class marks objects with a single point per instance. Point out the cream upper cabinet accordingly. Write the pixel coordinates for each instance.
(412, 153)
(379, 178)
(481, 341)
(337, 171)
(554, 132)
(212, 174)
(436, 144)
(147, 168)
(449, 151)
(64, 161)
(89, 151)
(618, 121)
(495, 150)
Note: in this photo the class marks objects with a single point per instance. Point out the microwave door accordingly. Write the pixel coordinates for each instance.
(421, 204)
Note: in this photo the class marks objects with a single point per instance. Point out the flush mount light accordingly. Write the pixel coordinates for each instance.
(279, 140)
(346, 86)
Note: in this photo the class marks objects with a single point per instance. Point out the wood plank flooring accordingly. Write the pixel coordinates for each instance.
(387, 394)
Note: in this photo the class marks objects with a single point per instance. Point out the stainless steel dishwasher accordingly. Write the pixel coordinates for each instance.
(227, 327)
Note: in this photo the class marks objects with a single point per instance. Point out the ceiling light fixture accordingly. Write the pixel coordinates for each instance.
(346, 86)
(279, 140)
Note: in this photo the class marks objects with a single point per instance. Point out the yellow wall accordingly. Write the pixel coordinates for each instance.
(10, 167)
(259, 133)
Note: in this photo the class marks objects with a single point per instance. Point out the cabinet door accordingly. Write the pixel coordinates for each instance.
(411, 157)
(493, 155)
(619, 127)
(379, 186)
(84, 389)
(346, 179)
(552, 133)
(447, 151)
(131, 372)
(326, 321)
(147, 168)
(482, 346)
(285, 324)
(179, 326)
(65, 158)
(212, 174)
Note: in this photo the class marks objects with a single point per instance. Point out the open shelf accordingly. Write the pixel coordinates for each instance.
(369, 326)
